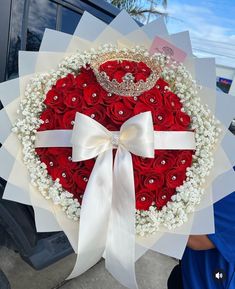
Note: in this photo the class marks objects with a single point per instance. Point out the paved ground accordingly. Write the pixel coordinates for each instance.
(152, 272)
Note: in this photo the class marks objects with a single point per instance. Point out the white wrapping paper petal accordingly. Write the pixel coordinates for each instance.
(222, 178)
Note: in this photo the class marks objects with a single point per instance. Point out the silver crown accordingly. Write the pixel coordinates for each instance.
(127, 87)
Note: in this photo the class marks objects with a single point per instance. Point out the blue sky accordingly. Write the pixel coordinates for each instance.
(211, 24)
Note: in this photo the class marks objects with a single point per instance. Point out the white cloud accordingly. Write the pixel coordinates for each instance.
(210, 35)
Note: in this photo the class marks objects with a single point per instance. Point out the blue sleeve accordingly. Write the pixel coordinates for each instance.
(224, 236)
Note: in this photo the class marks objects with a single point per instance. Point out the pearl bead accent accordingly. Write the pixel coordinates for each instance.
(51, 164)
(70, 158)
(160, 117)
(84, 85)
(151, 181)
(72, 122)
(63, 175)
(92, 115)
(183, 162)
(74, 99)
(163, 197)
(120, 112)
(94, 94)
(143, 199)
(55, 97)
(47, 120)
(163, 162)
(109, 94)
(85, 179)
(174, 178)
(135, 98)
(152, 100)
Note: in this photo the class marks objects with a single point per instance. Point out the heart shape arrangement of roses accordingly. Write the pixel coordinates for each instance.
(156, 179)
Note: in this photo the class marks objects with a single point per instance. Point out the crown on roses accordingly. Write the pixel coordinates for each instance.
(128, 86)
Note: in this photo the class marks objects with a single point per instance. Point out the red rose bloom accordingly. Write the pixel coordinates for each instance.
(175, 178)
(73, 99)
(65, 83)
(143, 69)
(163, 119)
(118, 75)
(152, 97)
(119, 113)
(128, 66)
(54, 99)
(84, 79)
(164, 160)
(144, 199)
(184, 159)
(49, 160)
(161, 84)
(182, 119)
(142, 107)
(152, 180)
(109, 98)
(163, 195)
(68, 119)
(96, 112)
(65, 176)
(142, 163)
(81, 177)
(92, 94)
(50, 120)
(109, 67)
(172, 101)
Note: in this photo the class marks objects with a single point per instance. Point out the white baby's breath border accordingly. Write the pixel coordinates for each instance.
(206, 127)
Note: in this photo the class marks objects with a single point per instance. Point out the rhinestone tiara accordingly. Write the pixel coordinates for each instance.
(127, 87)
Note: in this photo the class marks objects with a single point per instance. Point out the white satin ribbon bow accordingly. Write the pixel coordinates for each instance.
(107, 220)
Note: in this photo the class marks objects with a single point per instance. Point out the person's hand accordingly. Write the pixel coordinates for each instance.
(200, 242)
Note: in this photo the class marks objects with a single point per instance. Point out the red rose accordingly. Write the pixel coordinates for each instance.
(163, 195)
(142, 107)
(50, 119)
(118, 75)
(119, 113)
(142, 163)
(81, 177)
(182, 119)
(84, 79)
(55, 100)
(128, 66)
(164, 160)
(175, 178)
(152, 97)
(65, 160)
(73, 99)
(49, 160)
(143, 69)
(163, 119)
(96, 112)
(65, 83)
(68, 119)
(172, 101)
(184, 159)
(109, 67)
(161, 84)
(152, 180)
(65, 176)
(109, 97)
(92, 94)
(130, 101)
(144, 199)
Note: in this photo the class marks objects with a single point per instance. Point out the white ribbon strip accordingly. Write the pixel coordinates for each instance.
(107, 220)
(163, 140)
